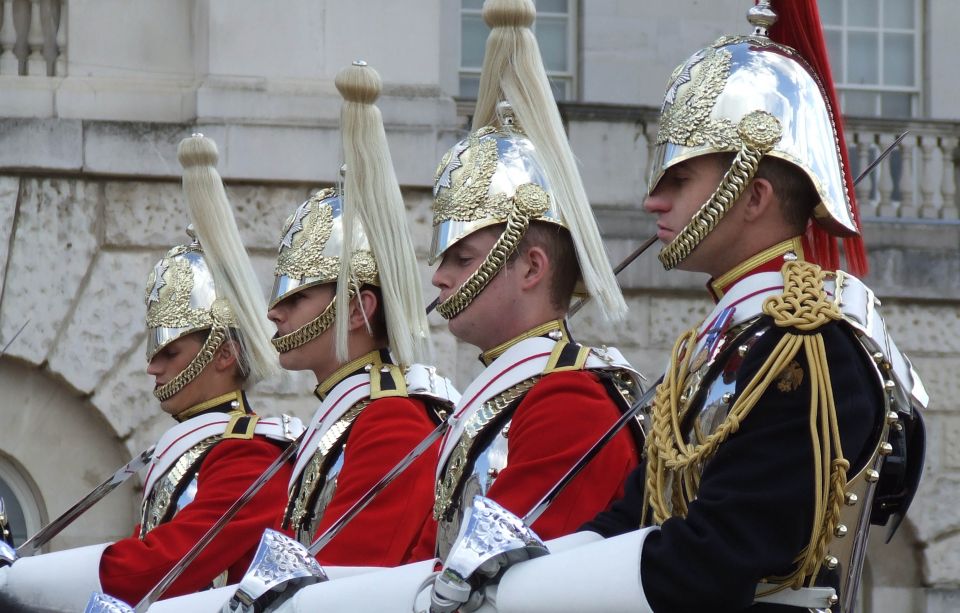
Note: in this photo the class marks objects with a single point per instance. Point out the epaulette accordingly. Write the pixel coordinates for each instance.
(805, 303)
(241, 425)
(386, 380)
(567, 356)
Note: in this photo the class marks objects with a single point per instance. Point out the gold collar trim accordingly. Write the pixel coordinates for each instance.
(488, 356)
(725, 280)
(372, 359)
(235, 396)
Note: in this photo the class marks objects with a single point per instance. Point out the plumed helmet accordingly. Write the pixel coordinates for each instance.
(181, 298)
(752, 96)
(311, 245)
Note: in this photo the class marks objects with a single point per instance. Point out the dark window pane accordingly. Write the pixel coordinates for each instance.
(831, 12)
(552, 38)
(860, 103)
(896, 104)
(469, 86)
(835, 49)
(473, 40)
(898, 14)
(898, 60)
(551, 6)
(863, 67)
(863, 13)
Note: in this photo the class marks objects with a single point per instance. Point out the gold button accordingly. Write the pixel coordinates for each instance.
(886, 449)
(840, 531)
(831, 562)
(872, 476)
(850, 499)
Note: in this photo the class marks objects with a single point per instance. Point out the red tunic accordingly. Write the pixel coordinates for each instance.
(385, 532)
(131, 567)
(553, 426)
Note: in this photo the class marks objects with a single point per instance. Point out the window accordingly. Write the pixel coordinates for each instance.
(874, 50)
(555, 28)
(19, 500)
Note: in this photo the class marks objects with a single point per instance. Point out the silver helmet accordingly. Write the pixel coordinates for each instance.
(310, 254)
(753, 97)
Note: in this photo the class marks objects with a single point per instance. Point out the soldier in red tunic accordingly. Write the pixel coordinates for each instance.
(208, 341)
(362, 330)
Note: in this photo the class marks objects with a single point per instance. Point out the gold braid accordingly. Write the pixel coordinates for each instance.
(759, 132)
(674, 466)
(529, 202)
(218, 334)
(310, 330)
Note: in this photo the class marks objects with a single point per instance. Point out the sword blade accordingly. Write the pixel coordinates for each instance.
(616, 271)
(45, 534)
(174, 573)
(545, 502)
(13, 338)
(880, 158)
(337, 526)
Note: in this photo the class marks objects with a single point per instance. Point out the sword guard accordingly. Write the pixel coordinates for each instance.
(491, 540)
(280, 567)
(103, 603)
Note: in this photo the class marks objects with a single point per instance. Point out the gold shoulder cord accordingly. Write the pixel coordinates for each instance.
(674, 466)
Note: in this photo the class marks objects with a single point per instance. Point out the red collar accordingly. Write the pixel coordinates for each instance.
(768, 260)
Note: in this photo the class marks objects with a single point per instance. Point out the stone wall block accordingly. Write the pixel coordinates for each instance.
(291, 383)
(144, 214)
(942, 569)
(38, 143)
(613, 169)
(939, 376)
(134, 148)
(107, 321)
(55, 242)
(930, 329)
(671, 316)
(272, 405)
(942, 600)
(125, 395)
(9, 192)
(933, 512)
(261, 212)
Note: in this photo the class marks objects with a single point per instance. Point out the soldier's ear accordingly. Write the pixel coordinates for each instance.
(758, 200)
(226, 356)
(362, 309)
(535, 266)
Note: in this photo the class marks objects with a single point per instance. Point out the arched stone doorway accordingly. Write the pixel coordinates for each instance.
(54, 448)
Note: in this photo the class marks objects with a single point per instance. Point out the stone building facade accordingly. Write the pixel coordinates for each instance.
(96, 94)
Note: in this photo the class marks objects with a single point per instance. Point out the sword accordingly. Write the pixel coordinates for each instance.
(337, 526)
(879, 158)
(178, 568)
(13, 338)
(45, 534)
(545, 502)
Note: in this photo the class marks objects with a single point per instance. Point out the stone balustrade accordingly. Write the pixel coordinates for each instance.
(33, 38)
(918, 180)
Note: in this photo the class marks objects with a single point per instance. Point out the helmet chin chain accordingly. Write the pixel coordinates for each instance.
(759, 132)
(529, 202)
(308, 331)
(218, 334)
